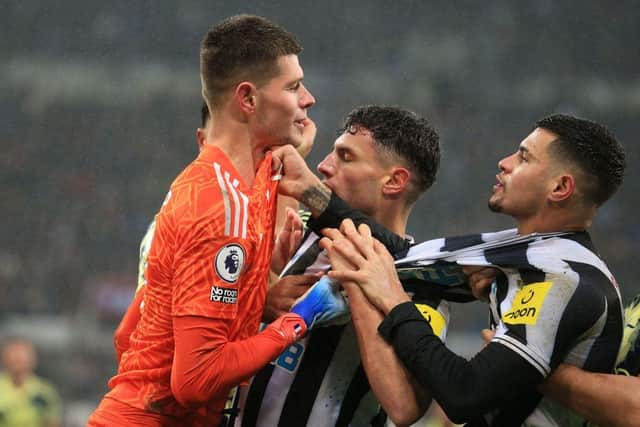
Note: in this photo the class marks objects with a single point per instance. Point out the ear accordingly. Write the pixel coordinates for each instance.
(245, 97)
(397, 181)
(201, 135)
(564, 188)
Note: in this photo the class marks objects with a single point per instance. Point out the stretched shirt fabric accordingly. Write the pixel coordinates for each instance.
(319, 380)
(557, 302)
(209, 260)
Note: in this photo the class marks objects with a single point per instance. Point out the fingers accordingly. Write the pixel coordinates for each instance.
(345, 276)
(480, 280)
(332, 234)
(293, 219)
(276, 162)
(360, 238)
(471, 269)
(308, 136)
(382, 251)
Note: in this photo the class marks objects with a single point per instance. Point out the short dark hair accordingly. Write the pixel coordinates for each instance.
(204, 114)
(593, 149)
(404, 134)
(242, 47)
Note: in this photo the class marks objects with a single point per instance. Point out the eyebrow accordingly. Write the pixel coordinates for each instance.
(298, 79)
(523, 149)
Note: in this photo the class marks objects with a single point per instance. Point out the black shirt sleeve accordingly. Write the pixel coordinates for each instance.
(465, 389)
(338, 209)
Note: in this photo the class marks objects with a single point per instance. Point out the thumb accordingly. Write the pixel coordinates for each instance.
(276, 162)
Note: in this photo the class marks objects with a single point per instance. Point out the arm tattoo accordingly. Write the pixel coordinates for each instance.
(316, 198)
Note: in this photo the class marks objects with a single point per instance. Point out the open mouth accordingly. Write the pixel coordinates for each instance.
(498, 185)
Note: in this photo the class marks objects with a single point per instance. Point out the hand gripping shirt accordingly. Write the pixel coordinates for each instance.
(210, 258)
(320, 380)
(556, 302)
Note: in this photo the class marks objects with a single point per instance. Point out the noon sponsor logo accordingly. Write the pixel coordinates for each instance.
(527, 304)
(223, 295)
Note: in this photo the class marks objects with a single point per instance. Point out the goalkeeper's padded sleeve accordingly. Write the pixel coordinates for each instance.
(466, 389)
(338, 209)
(322, 302)
(127, 325)
(206, 364)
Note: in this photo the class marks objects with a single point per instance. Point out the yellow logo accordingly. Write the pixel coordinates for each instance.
(527, 303)
(433, 316)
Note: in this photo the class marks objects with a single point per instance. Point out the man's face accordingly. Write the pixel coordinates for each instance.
(281, 105)
(19, 358)
(355, 171)
(525, 178)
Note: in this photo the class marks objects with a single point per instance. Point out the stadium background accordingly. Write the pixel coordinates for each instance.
(100, 101)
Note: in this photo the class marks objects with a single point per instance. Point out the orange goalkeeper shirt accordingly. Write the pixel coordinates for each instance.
(210, 258)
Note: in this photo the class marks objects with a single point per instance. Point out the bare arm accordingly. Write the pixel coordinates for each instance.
(607, 400)
(402, 398)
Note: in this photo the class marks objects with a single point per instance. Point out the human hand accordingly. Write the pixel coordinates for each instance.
(480, 280)
(287, 241)
(282, 295)
(321, 304)
(290, 326)
(308, 137)
(297, 180)
(357, 257)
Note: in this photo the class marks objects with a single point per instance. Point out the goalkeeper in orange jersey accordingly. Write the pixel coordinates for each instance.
(132, 315)
(208, 263)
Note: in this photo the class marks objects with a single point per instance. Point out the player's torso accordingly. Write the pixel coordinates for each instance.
(571, 313)
(319, 381)
(230, 227)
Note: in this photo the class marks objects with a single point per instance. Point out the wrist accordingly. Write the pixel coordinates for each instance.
(393, 300)
(316, 197)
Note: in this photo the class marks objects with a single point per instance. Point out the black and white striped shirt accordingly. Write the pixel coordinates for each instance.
(319, 381)
(557, 302)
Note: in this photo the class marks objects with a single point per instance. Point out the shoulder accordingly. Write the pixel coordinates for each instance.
(42, 387)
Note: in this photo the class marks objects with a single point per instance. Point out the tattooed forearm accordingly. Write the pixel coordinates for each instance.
(316, 198)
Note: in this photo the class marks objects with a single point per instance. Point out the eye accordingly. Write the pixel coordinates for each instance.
(523, 155)
(344, 155)
(295, 87)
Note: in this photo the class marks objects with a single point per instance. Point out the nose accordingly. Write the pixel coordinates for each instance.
(505, 165)
(306, 100)
(325, 167)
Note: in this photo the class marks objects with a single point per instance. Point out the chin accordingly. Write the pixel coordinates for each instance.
(494, 206)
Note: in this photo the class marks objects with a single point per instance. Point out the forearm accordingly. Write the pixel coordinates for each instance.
(464, 389)
(206, 364)
(401, 397)
(606, 400)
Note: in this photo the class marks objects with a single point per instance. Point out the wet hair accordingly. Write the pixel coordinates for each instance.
(404, 134)
(242, 48)
(593, 149)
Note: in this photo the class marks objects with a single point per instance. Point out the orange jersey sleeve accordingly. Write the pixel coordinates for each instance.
(127, 325)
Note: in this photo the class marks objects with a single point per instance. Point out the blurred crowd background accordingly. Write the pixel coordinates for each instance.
(100, 101)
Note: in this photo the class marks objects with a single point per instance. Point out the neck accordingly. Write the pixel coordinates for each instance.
(555, 221)
(234, 138)
(18, 379)
(396, 220)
